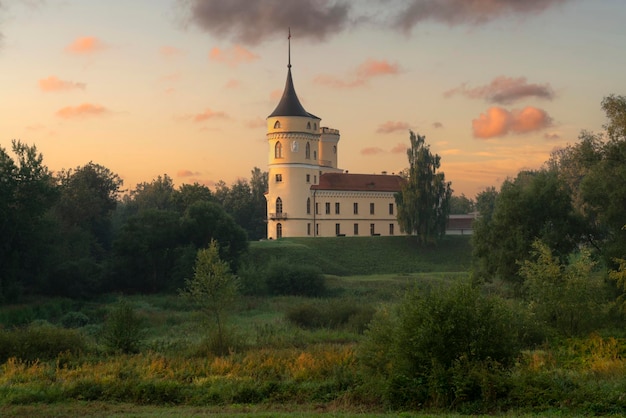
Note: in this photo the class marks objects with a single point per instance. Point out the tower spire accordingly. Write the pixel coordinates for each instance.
(289, 49)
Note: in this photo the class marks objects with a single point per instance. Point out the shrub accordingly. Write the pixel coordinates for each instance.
(432, 348)
(122, 330)
(285, 278)
(331, 314)
(74, 320)
(39, 343)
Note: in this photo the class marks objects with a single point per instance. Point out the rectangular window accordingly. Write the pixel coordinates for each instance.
(356, 229)
(371, 208)
(279, 177)
(317, 208)
(308, 178)
(308, 229)
(372, 229)
(355, 207)
(336, 208)
(314, 179)
(337, 229)
(391, 208)
(327, 208)
(390, 229)
(317, 230)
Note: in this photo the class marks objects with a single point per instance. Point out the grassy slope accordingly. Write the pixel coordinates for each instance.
(344, 256)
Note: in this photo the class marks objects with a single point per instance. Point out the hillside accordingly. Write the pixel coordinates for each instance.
(368, 255)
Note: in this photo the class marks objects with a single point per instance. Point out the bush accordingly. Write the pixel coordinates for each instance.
(74, 320)
(285, 278)
(437, 347)
(122, 330)
(39, 343)
(331, 314)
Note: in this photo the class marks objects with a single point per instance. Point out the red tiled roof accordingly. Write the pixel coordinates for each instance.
(359, 182)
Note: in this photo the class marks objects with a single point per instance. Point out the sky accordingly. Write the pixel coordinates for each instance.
(183, 87)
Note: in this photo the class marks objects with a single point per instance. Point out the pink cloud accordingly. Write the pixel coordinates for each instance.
(232, 57)
(208, 114)
(399, 149)
(437, 125)
(53, 84)
(233, 84)
(390, 126)
(372, 151)
(256, 123)
(187, 173)
(81, 111)
(85, 45)
(167, 51)
(361, 75)
(505, 90)
(500, 122)
(372, 68)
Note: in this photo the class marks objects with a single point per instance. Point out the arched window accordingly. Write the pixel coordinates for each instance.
(279, 205)
(277, 125)
(334, 149)
(308, 125)
(314, 126)
(278, 150)
(279, 230)
(308, 205)
(307, 151)
(315, 155)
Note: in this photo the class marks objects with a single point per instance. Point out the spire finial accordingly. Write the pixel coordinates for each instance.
(289, 49)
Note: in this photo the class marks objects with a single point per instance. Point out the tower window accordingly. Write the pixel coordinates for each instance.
(279, 230)
(371, 208)
(307, 151)
(355, 207)
(308, 205)
(278, 150)
(391, 208)
(277, 125)
(317, 208)
(327, 208)
(334, 149)
(308, 178)
(315, 126)
(279, 178)
(337, 208)
(279, 205)
(315, 155)
(308, 125)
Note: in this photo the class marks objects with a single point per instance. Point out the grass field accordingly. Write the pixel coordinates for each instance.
(291, 355)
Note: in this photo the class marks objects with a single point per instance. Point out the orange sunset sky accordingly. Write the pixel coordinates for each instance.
(183, 87)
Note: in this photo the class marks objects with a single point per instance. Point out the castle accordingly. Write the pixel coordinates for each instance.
(308, 195)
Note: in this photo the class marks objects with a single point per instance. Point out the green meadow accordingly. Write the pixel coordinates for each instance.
(289, 355)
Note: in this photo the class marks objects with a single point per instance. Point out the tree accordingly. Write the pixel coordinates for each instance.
(27, 192)
(533, 205)
(213, 288)
(568, 297)
(460, 205)
(424, 201)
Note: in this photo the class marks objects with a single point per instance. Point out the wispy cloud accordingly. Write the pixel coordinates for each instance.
(167, 51)
(497, 122)
(360, 76)
(252, 22)
(187, 173)
(256, 123)
(399, 148)
(437, 125)
(203, 116)
(467, 12)
(393, 126)
(552, 136)
(85, 45)
(372, 151)
(54, 84)
(83, 110)
(233, 56)
(504, 90)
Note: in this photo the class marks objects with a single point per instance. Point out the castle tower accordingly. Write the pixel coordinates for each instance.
(299, 152)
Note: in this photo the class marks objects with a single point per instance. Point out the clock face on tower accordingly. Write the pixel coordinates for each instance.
(294, 146)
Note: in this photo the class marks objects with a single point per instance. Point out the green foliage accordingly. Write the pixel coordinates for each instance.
(460, 205)
(337, 314)
(74, 319)
(424, 201)
(568, 297)
(533, 205)
(214, 289)
(39, 342)
(285, 278)
(433, 348)
(123, 329)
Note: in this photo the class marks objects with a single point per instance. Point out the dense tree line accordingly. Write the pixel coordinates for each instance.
(575, 200)
(73, 233)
